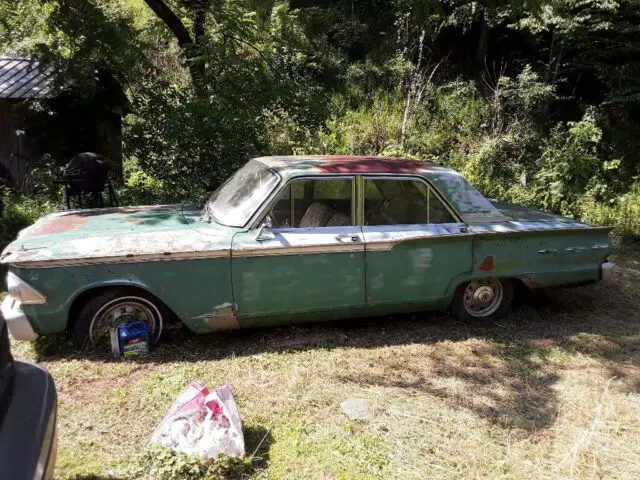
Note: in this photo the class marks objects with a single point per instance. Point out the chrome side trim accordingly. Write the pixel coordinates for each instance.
(481, 233)
(600, 246)
(548, 250)
(383, 246)
(300, 250)
(388, 245)
(154, 257)
(575, 249)
(484, 219)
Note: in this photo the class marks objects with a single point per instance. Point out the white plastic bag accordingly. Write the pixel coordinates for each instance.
(202, 424)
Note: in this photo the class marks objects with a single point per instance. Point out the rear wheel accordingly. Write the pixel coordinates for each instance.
(483, 299)
(115, 307)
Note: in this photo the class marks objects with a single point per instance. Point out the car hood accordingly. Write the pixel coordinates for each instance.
(117, 234)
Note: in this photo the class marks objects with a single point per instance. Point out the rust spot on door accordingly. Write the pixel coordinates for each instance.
(486, 265)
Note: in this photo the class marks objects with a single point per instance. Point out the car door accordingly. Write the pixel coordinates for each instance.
(309, 265)
(415, 243)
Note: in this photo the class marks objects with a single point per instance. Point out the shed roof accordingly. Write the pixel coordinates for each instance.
(21, 78)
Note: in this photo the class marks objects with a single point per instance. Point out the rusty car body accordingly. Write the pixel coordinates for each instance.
(294, 239)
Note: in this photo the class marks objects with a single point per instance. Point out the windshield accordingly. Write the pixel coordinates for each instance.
(233, 203)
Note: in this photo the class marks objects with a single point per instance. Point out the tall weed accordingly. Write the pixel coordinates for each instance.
(622, 212)
(20, 211)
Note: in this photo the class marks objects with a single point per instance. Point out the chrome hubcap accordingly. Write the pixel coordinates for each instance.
(483, 297)
(119, 312)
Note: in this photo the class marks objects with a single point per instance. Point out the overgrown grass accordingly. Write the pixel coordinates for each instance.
(623, 212)
(20, 211)
(552, 391)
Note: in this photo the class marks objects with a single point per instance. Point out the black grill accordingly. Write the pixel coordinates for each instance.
(87, 173)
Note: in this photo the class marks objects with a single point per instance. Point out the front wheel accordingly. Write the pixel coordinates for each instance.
(483, 299)
(115, 307)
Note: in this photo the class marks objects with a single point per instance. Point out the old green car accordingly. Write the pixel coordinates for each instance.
(292, 240)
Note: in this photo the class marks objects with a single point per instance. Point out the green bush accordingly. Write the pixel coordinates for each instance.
(569, 161)
(160, 463)
(20, 211)
(142, 188)
(623, 212)
(181, 142)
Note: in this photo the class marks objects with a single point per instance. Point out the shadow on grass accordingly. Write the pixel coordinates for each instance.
(598, 320)
(257, 441)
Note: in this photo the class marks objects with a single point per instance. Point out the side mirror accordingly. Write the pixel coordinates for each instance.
(266, 224)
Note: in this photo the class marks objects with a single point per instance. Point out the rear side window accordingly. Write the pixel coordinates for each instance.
(403, 202)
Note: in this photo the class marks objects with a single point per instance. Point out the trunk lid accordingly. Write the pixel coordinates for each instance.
(518, 213)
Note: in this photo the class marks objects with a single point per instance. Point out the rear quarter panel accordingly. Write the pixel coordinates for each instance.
(546, 258)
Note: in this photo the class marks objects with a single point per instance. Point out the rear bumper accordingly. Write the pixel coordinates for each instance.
(606, 271)
(19, 326)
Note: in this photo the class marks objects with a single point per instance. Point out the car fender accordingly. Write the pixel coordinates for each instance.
(455, 283)
(114, 282)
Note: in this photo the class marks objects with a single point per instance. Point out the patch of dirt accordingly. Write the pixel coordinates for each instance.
(88, 391)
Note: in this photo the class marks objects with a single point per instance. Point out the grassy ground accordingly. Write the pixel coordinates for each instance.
(552, 391)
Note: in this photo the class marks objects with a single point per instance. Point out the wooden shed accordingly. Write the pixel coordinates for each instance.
(38, 119)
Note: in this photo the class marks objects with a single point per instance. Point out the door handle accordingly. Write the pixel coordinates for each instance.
(348, 238)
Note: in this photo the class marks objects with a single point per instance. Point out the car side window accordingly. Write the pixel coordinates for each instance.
(402, 202)
(314, 202)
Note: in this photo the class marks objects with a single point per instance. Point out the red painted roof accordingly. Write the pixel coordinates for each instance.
(365, 164)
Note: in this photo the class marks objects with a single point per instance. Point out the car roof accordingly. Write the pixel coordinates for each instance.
(344, 164)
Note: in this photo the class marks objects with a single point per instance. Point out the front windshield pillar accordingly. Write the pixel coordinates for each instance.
(236, 200)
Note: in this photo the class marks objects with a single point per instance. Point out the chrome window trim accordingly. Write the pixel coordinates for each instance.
(388, 245)
(267, 198)
(360, 200)
(321, 249)
(271, 170)
(269, 203)
(420, 178)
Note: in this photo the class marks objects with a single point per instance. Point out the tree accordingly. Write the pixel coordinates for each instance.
(191, 43)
